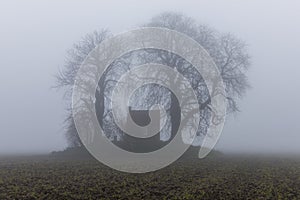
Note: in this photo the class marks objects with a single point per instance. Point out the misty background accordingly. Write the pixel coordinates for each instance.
(35, 35)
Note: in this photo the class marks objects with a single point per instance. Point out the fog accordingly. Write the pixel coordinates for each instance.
(35, 35)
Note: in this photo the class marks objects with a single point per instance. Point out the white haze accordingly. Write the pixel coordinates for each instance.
(34, 37)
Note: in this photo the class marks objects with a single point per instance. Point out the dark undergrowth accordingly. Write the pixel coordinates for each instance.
(60, 176)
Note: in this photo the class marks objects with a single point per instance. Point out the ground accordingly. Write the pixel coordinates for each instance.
(216, 177)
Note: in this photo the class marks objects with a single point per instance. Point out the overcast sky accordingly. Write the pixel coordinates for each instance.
(34, 37)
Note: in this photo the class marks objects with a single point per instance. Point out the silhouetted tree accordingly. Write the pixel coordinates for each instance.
(228, 52)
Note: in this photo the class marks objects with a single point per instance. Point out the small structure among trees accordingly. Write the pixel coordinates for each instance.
(140, 145)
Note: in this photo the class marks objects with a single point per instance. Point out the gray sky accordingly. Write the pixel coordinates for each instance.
(35, 35)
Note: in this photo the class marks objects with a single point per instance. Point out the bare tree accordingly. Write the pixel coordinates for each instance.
(66, 77)
(228, 52)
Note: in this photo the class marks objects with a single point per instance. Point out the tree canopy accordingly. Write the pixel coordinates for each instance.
(229, 53)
